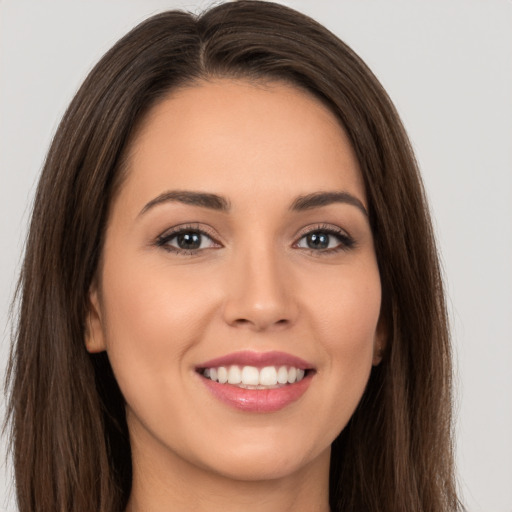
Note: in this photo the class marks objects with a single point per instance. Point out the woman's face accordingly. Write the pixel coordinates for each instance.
(238, 248)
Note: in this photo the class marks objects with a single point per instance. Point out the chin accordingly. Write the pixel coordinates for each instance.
(263, 460)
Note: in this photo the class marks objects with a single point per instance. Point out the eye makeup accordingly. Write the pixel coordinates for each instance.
(192, 238)
(325, 239)
(187, 239)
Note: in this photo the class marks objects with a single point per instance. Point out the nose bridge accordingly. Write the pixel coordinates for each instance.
(260, 288)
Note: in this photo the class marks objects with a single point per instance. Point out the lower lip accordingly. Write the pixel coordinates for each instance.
(258, 400)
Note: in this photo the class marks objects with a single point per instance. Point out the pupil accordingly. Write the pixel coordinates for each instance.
(318, 241)
(189, 240)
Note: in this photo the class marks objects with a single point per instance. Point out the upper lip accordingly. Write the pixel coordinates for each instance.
(258, 359)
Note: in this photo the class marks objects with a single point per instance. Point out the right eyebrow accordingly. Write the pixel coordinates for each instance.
(202, 199)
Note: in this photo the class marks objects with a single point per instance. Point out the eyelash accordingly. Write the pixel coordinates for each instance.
(346, 242)
(164, 239)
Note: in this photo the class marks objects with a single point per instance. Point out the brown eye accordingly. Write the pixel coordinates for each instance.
(325, 240)
(186, 241)
(317, 240)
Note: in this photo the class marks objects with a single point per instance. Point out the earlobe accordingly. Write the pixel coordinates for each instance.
(380, 342)
(378, 353)
(94, 335)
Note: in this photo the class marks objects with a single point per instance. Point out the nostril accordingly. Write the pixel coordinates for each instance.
(261, 323)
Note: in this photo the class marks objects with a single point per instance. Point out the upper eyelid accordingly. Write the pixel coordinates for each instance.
(193, 226)
(164, 239)
(332, 228)
(208, 231)
(346, 240)
(200, 228)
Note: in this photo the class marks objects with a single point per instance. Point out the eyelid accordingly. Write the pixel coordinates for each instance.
(321, 226)
(347, 242)
(169, 234)
(190, 226)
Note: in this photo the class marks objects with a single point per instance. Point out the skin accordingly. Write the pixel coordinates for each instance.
(254, 285)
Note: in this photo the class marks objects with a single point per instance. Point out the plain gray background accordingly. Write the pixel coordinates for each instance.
(447, 64)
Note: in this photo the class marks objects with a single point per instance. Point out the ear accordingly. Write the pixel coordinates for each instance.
(94, 329)
(380, 342)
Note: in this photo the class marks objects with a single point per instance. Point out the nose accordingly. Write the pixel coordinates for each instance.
(260, 291)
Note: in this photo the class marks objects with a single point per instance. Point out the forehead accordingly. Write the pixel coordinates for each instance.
(232, 137)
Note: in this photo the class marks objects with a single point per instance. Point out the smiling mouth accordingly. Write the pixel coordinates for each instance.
(257, 382)
(252, 377)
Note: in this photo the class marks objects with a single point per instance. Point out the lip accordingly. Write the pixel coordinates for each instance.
(257, 359)
(258, 400)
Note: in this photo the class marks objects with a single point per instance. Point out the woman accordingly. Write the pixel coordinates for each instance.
(231, 294)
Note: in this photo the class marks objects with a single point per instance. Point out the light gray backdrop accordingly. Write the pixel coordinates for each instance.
(447, 64)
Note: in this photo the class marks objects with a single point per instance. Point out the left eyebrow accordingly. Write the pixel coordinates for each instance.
(318, 199)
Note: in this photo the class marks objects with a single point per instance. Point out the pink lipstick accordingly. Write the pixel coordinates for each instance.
(257, 381)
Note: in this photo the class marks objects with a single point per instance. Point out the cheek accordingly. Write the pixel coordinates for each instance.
(152, 299)
(345, 308)
(151, 321)
(346, 313)
(154, 317)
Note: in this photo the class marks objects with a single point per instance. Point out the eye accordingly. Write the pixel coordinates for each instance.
(325, 240)
(186, 240)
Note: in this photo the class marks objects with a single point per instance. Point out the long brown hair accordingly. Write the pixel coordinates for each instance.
(68, 431)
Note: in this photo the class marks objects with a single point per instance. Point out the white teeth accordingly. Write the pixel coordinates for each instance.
(252, 377)
(268, 376)
(282, 375)
(234, 375)
(222, 375)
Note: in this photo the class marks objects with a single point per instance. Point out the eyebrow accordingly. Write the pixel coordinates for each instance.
(212, 201)
(319, 199)
(219, 203)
